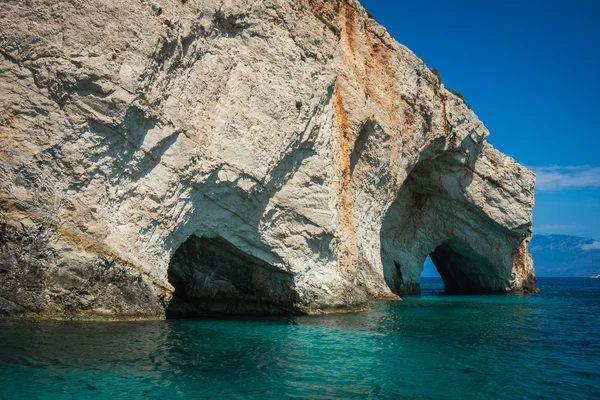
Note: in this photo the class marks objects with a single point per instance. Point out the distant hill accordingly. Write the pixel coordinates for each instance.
(555, 256)
(562, 255)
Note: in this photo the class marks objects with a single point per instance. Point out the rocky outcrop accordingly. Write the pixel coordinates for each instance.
(238, 156)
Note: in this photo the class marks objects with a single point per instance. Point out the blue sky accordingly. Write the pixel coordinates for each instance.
(531, 72)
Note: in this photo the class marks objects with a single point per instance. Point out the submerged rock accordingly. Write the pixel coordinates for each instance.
(238, 156)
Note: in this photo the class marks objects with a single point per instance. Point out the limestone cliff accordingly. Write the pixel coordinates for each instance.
(173, 156)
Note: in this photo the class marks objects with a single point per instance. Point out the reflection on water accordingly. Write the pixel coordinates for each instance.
(428, 346)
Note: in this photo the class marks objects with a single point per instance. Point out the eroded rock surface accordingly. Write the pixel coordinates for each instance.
(313, 161)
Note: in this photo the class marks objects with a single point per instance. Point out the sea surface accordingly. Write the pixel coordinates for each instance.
(431, 346)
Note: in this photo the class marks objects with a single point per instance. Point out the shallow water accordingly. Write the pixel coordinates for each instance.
(429, 346)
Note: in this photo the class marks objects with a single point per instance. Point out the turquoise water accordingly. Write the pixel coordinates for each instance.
(430, 346)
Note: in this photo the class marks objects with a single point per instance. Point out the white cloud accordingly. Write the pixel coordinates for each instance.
(567, 178)
(591, 246)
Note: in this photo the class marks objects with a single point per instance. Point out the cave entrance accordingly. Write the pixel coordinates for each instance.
(430, 217)
(212, 276)
(429, 270)
(460, 269)
(431, 280)
(463, 270)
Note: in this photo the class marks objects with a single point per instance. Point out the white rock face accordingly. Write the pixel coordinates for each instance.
(250, 156)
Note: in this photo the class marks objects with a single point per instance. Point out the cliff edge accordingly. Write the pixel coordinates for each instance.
(173, 157)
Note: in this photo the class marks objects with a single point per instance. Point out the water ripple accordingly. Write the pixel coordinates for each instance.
(427, 347)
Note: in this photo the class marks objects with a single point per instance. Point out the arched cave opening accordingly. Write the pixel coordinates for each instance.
(463, 270)
(429, 270)
(428, 218)
(211, 276)
(431, 281)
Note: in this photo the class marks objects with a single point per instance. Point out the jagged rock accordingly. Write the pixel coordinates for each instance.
(248, 156)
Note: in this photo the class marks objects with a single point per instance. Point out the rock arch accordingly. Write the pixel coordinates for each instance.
(440, 212)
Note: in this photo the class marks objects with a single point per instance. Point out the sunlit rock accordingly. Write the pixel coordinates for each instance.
(238, 157)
